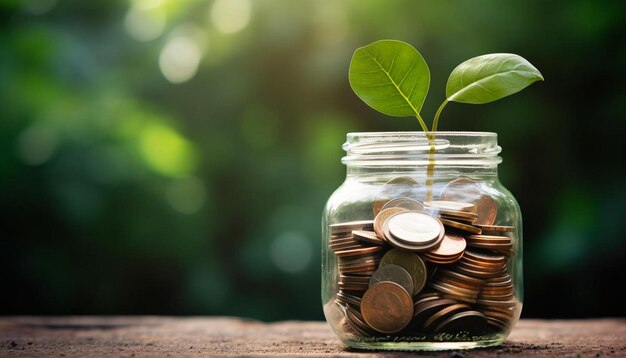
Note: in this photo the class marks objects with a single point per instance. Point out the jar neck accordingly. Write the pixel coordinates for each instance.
(440, 172)
(450, 154)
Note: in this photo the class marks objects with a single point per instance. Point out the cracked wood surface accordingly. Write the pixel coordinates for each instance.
(226, 336)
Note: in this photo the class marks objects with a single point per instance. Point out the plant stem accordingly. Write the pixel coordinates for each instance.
(436, 120)
(430, 170)
(422, 123)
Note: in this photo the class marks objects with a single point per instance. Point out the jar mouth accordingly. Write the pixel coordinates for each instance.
(414, 148)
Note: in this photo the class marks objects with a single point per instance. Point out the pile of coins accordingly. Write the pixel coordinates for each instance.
(438, 266)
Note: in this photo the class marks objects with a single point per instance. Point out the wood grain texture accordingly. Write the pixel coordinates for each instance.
(224, 336)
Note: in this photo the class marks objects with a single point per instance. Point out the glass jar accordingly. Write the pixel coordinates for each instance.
(422, 244)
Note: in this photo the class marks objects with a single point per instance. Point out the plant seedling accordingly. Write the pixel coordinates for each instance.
(393, 78)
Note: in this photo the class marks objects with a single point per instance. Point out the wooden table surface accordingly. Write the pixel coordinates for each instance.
(196, 336)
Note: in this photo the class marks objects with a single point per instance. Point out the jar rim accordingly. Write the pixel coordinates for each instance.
(413, 133)
(453, 148)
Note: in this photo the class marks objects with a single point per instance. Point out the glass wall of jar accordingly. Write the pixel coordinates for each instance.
(422, 244)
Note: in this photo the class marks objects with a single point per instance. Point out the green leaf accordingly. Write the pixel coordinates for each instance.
(391, 77)
(487, 78)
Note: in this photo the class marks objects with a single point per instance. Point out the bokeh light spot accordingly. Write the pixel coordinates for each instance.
(166, 151)
(179, 59)
(145, 24)
(147, 4)
(230, 16)
(38, 7)
(186, 195)
(291, 252)
(37, 144)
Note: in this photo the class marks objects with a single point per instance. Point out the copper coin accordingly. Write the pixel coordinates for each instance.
(440, 315)
(461, 226)
(441, 261)
(347, 227)
(447, 205)
(509, 303)
(423, 300)
(399, 186)
(502, 297)
(451, 245)
(462, 188)
(343, 247)
(355, 317)
(352, 287)
(458, 219)
(487, 266)
(450, 293)
(482, 257)
(490, 239)
(378, 204)
(382, 217)
(500, 248)
(360, 251)
(343, 240)
(409, 261)
(461, 277)
(459, 215)
(354, 279)
(406, 203)
(425, 310)
(486, 269)
(459, 289)
(368, 236)
(487, 210)
(401, 245)
(472, 322)
(476, 273)
(415, 228)
(349, 298)
(387, 307)
(393, 273)
(366, 270)
(496, 228)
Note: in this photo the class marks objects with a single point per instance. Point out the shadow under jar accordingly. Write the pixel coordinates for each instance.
(422, 245)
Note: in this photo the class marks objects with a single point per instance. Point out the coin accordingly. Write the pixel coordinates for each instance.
(483, 257)
(459, 215)
(452, 292)
(415, 228)
(409, 261)
(393, 273)
(349, 299)
(496, 228)
(489, 239)
(451, 245)
(461, 226)
(508, 303)
(476, 282)
(356, 320)
(461, 189)
(447, 205)
(359, 251)
(423, 311)
(434, 320)
(399, 186)
(401, 245)
(347, 227)
(387, 307)
(369, 237)
(377, 205)
(472, 322)
(406, 203)
(382, 217)
(487, 210)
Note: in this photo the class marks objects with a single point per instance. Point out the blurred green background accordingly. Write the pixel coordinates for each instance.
(173, 157)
